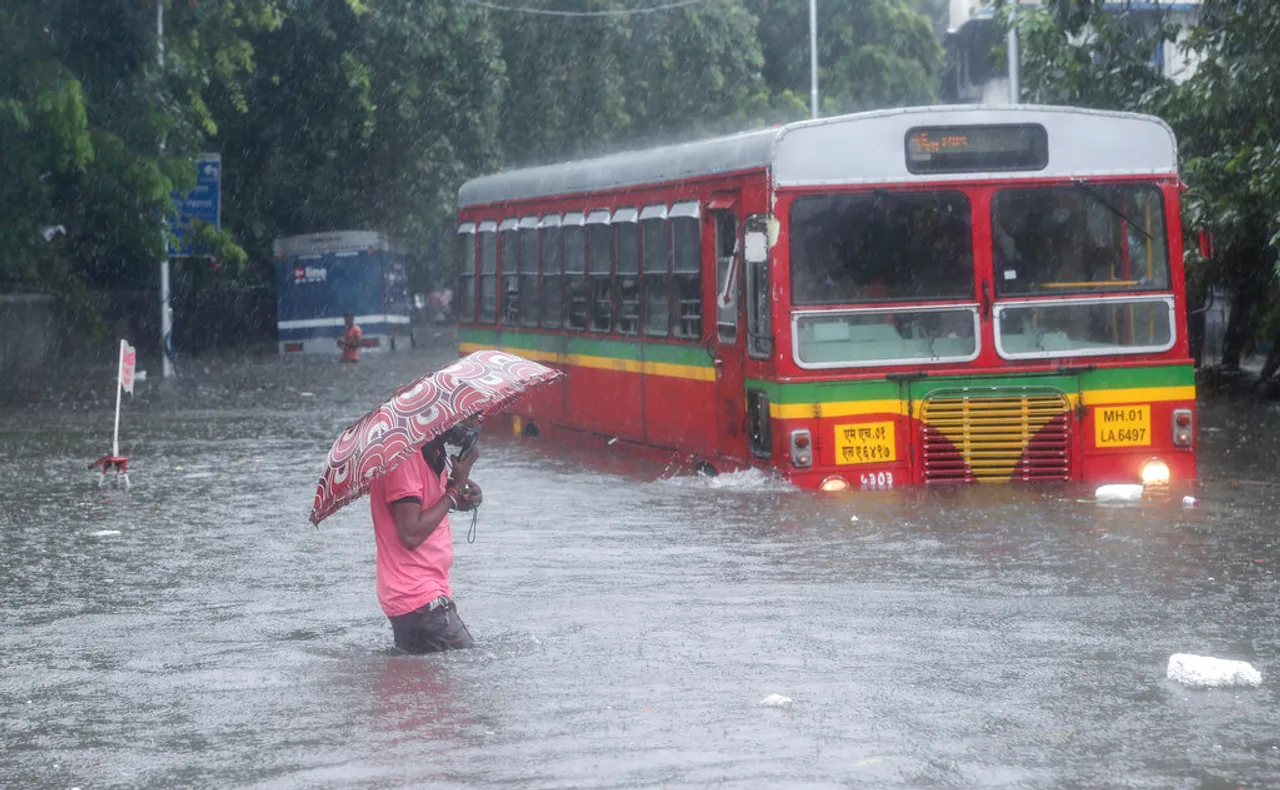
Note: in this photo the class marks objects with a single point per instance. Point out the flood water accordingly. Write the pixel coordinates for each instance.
(197, 631)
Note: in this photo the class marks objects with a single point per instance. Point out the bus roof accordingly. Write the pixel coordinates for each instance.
(864, 148)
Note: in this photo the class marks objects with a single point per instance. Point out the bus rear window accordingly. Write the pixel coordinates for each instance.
(880, 246)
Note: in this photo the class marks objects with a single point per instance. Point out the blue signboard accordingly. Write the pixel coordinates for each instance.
(203, 204)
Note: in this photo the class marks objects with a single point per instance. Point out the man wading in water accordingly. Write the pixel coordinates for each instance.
(411, 505)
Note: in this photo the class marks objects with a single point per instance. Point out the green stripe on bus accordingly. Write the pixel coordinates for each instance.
(880, 389)
(586, 346)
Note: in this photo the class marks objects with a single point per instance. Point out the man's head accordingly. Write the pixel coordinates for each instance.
(349, 319)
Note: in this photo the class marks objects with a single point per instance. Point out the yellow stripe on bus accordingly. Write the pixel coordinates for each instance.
(1138, 395)
(668, 369)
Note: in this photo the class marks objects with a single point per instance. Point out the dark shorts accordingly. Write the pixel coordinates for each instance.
(432, 628)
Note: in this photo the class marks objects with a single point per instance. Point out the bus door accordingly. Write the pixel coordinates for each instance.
(728, 356)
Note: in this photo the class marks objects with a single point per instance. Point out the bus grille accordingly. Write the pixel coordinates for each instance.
(993, 436)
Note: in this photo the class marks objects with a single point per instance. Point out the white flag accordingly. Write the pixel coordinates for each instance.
(128, 359)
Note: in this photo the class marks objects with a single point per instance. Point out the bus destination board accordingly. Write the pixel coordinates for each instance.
(977, 148)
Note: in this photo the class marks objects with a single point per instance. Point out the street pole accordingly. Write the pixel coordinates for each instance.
(1015, 62)
(166, 312)
(813, 58)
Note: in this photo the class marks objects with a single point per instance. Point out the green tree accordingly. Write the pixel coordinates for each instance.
(872, 54)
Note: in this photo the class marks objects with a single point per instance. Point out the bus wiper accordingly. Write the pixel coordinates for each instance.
(1096, 194)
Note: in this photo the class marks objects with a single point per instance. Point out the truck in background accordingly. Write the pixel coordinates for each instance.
(322, 276)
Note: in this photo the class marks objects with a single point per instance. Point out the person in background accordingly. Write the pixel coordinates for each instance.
(350, 341)
(410, 507)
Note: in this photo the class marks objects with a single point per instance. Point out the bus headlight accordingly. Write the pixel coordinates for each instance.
(834, 483)
(1155, 473)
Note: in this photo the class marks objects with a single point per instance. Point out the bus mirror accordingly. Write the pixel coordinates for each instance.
(1205, 239)
(755, 246)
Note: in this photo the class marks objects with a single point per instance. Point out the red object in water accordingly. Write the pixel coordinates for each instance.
(476, 386)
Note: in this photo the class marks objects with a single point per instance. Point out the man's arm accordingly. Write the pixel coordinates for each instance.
(415, 523)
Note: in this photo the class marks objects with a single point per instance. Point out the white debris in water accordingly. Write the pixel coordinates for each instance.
(1119, 492)
(853, 519)
(1206, 672)
(776, 701)
(306, 394)
(104, 533)
(1190, 501)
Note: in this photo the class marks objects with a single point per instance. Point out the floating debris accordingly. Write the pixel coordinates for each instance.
(776, 701)
(1206, 672)
(104, 533)
(1190, 501)
(1119, 492)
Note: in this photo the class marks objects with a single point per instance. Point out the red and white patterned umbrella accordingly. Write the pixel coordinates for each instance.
(478, 385)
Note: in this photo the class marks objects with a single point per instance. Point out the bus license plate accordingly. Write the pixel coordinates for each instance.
(1122, 426)
(866, 443)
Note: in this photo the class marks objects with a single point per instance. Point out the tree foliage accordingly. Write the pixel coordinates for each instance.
(333, 114)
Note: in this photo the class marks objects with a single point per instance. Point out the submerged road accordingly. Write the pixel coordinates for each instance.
(197, 631)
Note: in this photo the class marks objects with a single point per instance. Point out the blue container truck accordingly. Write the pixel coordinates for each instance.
(322, 276)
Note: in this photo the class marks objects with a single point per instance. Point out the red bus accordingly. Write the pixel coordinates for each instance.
(943, 294)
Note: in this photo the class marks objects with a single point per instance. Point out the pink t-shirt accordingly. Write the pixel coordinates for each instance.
(409, 579)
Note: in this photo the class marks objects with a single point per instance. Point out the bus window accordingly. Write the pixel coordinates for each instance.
(881, 245)
(488, 272)
(726, 292)
(552, 291)
(655, 247)
(529, 271)
(575, 268)
(755, 254)
(464, 259)
(626, 241)
(600, 270)
(509, 265)
(1084, 238)
(686, 267)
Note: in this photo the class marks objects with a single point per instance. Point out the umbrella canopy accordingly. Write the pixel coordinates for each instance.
(478, 385)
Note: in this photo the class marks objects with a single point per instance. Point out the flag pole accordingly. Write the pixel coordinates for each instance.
(115, 436)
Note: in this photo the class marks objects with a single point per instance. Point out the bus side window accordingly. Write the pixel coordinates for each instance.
(552, 292)
(575, 268)
(626, 239)
(655, 249)
(509, 265)
(686, 266)
(464, 257)
(755, 253)
(600, 269)
(528, 304)
(488, 273)
(726, 291)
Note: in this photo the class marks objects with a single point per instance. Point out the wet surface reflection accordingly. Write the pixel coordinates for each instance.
(628, 625)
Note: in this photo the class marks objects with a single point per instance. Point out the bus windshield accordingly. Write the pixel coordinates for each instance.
(880, 246)
(1079, 238)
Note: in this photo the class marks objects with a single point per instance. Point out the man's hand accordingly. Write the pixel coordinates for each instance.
(462, 465)
(470, 494)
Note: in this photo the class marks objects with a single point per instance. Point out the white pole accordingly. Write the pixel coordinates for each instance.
(166, 312)
(1015, 62)
(115, 436)
(813, 58)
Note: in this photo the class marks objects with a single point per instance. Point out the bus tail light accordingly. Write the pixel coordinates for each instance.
(834, 483)
(1183, 427)
(801, 449)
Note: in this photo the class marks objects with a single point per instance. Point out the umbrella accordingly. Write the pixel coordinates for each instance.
(478, 385)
